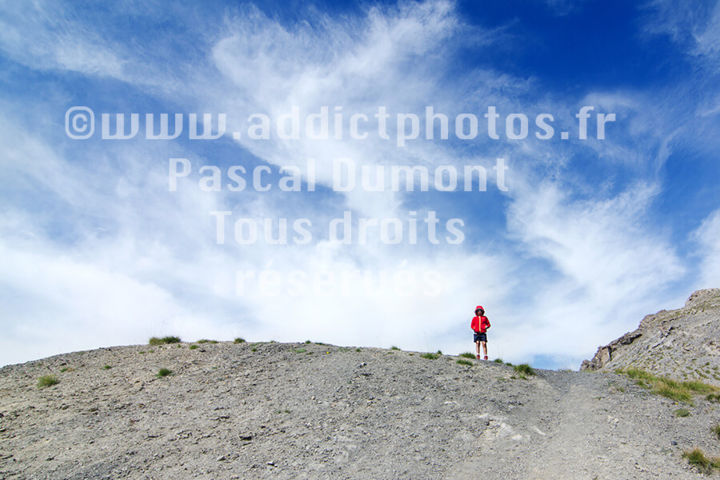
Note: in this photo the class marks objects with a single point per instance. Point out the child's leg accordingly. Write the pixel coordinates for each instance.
(484, 345)
(477, 348)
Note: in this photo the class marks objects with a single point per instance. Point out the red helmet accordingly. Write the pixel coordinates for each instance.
(479, 307)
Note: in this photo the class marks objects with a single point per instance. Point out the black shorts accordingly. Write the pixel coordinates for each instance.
(480, 337)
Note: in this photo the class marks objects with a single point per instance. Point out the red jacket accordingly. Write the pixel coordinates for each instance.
(480, 324)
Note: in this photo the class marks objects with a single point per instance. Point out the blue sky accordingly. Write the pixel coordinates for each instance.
(589, 236)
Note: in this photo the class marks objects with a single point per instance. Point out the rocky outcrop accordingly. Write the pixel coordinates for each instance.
(682, 343)
(604, 355)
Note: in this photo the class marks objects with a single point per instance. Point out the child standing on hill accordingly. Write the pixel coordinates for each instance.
(479, 325)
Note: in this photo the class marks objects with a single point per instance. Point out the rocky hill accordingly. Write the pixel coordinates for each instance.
(314, 411)
(683, 344)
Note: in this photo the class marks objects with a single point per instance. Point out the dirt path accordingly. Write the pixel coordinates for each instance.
(572, 427)
(578, 439)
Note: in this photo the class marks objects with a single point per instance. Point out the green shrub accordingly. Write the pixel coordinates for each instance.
(673, 392)
(462, 361)
(713, 397)
(308, 341)
(205, 340)
(641, 383)
(239, 340)
(163, 340)
(667, 387)
(699, 387)
(358, 350)
(498, 360)
(193, 347)
(508, 364)
(164, 372)
(394, 348)
(697, 458)
(107, 367)
(439, 352)
(716, 431)
(430, 356)
(682, 412)
(47, 381)
(637, 374)
(468, 355)
(524, 369)
(300, 350)
(253, 349)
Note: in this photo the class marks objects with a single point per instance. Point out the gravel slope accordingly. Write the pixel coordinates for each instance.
(310, 411)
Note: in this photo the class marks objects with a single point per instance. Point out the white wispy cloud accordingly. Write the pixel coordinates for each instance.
(611, 264)
(41, 36)
(693, 26)
(120, 258)
(707, 237)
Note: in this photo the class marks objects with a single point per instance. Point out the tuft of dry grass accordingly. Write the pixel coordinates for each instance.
(697, 458)
(47, 381)
(163, 340)
(524, 369)
(430, 356)
(667, 387)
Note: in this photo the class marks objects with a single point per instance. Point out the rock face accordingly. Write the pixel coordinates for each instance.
(682, 344)
(314, 411)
